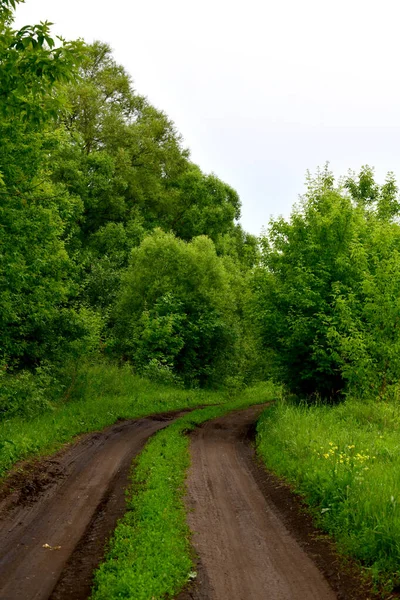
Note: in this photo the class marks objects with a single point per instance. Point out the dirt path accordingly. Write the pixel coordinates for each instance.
(245, 550)
(53, 529)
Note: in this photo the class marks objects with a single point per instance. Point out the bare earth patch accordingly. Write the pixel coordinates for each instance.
(57, 514)
(251, 534)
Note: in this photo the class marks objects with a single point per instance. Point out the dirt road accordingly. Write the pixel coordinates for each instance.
(245, 550)
(53, 529)
(251, 536)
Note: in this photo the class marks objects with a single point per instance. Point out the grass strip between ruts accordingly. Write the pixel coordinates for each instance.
(149, 556)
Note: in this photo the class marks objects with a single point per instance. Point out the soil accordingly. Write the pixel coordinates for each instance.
(252, 536)
(57, 515)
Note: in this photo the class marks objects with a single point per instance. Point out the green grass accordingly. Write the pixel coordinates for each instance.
(150, 555)
(345, 461)
(101, 394)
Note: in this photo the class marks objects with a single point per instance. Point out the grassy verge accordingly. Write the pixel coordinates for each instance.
(345, 461)
(101, 394)
(150, 556)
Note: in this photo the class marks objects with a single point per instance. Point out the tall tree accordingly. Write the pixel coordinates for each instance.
(36, 273)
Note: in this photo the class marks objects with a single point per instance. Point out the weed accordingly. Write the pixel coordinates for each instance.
(102, 394)
(345, 461)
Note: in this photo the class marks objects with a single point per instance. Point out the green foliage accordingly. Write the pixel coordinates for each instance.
(38, 322)
(363, 331)
(202, 205)
(127, 159)
(242, 247)
(31, 65)
(88, 170)
(26, 393)
(159, 372)
(150, 555)
(345, 462)
(125, 151)
(40, 319)
(177, 306)
(326, 293)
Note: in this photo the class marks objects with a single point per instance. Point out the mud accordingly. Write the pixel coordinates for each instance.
(251, 534)
(56, 517)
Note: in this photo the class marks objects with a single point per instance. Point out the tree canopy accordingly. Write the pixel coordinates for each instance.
(112, 241)
(92, 177)
(326, 292)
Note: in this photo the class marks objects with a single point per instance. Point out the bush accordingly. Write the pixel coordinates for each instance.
(26, 393)
(161, 373)
(178, 308)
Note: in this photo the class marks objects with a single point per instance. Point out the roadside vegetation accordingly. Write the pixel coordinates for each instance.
(114, 244)
(327, 300)
(102, 394)
(128, 287)
(150, 554)
(345, 462)
(123, 268)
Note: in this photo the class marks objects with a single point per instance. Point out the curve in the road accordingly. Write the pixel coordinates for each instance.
(245, 550)
(53, 531)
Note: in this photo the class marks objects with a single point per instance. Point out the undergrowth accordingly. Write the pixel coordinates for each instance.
(100, 395)
(345, 461)
(150, 556)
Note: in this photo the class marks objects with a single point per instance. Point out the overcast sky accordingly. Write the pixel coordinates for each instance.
(261, 90)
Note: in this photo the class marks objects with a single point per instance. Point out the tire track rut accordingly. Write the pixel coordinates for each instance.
(245, 551)
(53, 530)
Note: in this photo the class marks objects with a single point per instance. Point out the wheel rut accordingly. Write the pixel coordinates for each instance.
(245, 550)
(251, 535)
(53, 529)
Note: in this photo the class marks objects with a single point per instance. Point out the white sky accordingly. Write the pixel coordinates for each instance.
(261, 90)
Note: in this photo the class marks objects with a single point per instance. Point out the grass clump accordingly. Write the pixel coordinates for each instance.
(345, 461)
(150, 556)
(102, 393)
